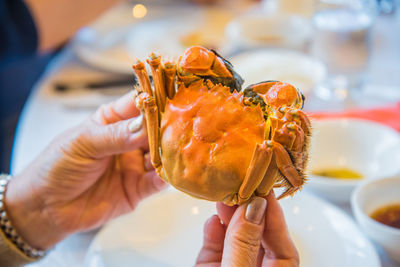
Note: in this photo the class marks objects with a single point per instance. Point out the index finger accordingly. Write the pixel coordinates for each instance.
(225, 212)
(121, 109)
(276, 240)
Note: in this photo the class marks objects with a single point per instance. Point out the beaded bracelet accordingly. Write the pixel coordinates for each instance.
(7, 228)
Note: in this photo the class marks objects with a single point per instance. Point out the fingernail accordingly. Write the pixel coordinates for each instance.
(136, 124)
(256, 209)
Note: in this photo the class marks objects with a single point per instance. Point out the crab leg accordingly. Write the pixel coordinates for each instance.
(151, 111)
(143, 78)
(269, 179)
(285, 135)
(306, 127)
(298, 141)
(301, 128)
(300, 118)
(288, 192)
(158, 80)
(297, 148)
(170, 73)
(139, 98)
(274, 123)
(305, 123)
(286, 167)
(277, 122)
(255, 173)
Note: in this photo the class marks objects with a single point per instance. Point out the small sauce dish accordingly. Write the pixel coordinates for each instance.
(371, 196)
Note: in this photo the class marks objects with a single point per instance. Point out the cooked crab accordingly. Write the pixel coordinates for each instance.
(212, 141)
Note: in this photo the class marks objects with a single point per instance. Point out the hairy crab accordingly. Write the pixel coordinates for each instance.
(212, 141)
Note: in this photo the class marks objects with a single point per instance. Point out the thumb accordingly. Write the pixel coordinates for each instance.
(244, 233)
(115, 138)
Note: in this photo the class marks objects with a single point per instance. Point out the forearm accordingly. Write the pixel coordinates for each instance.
(58, 20)
(28, 215)
(10, 254)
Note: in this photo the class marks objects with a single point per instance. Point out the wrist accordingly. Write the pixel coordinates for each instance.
(28, 216)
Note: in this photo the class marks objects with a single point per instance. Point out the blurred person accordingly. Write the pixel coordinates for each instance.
(29, 31)
(100, 170)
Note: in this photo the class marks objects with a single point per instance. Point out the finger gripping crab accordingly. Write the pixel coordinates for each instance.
(212, 141)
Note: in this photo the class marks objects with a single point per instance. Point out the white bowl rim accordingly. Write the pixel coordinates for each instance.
(319, 69)
(279, 50)
(332, 181)
(356, 205)
(294, 22)
(357, 120)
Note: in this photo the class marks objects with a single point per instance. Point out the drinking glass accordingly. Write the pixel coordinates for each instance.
(341, 42)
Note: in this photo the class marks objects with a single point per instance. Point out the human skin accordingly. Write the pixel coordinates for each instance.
(57, 20)
(230, 239)
(85, 177)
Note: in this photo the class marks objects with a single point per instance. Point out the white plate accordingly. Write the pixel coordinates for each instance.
(165, 30)
(102, 44)
(105, 51)
(284, 65)
(166, 230)
(171, 36)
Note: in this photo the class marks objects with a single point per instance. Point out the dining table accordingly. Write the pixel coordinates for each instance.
(50, 111)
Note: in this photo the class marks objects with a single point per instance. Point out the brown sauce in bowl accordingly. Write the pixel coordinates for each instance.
(389, 215)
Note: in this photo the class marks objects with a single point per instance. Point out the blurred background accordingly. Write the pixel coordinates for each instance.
(61, 59)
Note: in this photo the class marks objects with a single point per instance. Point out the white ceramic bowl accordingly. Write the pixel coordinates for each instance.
(279, 64)
(253, 30)
(370, 196)
(368, 148)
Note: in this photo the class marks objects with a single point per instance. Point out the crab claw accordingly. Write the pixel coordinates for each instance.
(200, 63)
(278, 94)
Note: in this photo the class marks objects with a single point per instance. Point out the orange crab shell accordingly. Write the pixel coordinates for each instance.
(207, 140)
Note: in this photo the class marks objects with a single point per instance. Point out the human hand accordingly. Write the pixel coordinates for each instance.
(88, 175)
(253, 234)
